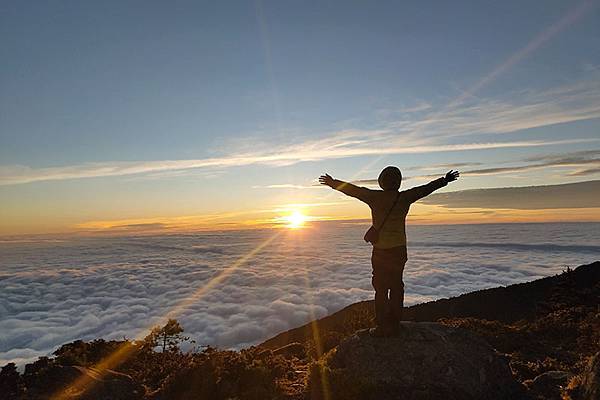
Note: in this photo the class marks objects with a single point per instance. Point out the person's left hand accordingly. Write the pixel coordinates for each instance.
(452, 176)
(326, 180)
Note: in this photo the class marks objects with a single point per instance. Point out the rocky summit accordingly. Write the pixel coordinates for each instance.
(425, 361)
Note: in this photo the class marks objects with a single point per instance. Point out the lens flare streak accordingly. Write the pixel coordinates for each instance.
(98, 371)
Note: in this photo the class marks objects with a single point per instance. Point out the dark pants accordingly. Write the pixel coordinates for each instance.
(388, 266)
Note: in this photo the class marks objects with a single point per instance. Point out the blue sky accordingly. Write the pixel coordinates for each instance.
(98, 95)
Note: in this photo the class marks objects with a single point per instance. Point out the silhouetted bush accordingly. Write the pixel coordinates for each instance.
(11, 384)
(249, 374)
(561, 340)
(322, 379)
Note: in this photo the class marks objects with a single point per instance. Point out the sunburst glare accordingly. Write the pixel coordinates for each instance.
(295, 220)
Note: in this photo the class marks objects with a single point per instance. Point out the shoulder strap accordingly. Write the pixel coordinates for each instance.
(389, 211)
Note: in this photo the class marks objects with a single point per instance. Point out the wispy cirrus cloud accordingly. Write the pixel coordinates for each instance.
(514, 112)
(573, 159)
(576, 160)
(561, 157)
(428, 132)
(420, 106)
(446, 166)
(585, 171)
(309, 151)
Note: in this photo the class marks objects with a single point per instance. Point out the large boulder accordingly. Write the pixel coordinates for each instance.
(426, 361)
(291, 350)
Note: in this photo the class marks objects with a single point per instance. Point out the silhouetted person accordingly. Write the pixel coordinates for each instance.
(389, 208)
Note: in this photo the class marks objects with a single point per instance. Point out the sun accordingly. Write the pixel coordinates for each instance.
(295, 220)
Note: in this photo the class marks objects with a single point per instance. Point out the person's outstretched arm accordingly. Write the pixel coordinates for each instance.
(419, 192)
(361, 193)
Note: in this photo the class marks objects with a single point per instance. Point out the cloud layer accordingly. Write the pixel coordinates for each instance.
(55, 292)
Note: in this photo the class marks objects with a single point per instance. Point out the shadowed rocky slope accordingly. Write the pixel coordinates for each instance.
(504, 304)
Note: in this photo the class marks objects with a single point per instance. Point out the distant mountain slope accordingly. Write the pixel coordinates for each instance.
(505, 304)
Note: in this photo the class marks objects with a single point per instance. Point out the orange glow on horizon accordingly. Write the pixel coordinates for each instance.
(294, 216)
(295, 220)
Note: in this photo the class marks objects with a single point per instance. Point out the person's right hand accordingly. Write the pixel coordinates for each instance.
(326, 180)
(452, 176)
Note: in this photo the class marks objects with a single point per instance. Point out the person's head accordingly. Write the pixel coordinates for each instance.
(390, 178)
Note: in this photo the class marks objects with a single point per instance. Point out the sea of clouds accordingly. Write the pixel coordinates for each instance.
(227, 293)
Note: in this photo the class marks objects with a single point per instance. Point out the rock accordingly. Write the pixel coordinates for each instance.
(291, 350)
(548, 384)
(74, 382)
(264, 354)
(426, 361)
(590, 382)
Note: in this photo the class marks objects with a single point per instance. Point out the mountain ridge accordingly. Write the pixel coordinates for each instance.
(504, 303)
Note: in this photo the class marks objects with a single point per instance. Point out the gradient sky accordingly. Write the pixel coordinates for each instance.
(148, 115)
